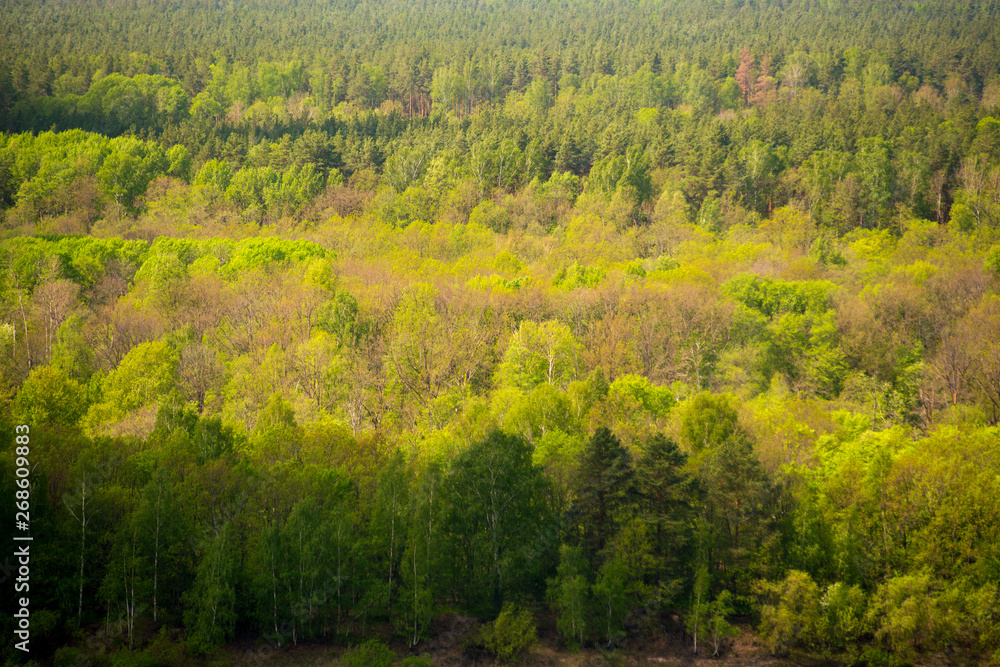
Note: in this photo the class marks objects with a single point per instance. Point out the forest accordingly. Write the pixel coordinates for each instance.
(601, 324)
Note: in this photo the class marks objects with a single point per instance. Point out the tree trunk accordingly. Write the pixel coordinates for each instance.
(83, 547)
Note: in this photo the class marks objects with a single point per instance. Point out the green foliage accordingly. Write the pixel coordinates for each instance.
(603, 488)
(179, 161)
(66, 656)
(797, 244)
(638, 390)
(562, 184)
(793, 618)
(540, 352)
(512, 634)
(534, 414)
(261, 190)
(666, 494)
(128, 169)
(215, 173)
(339, 315)
(575, 276)
(498, 510)
(164, 651)
(210, 614)
(611, 595)
(695, 619)
(708, 420)
(908, 614)
(145, 374)
(772, 298)
(131, 659)
(119, 103)
(50, 396)
(980, 614)
(260, 253)
(280, 78)
(568, 594)
(627, 173)
(718, 629)
(558, 453)
(665, 263)
(371, 653)
(36, 166)
(844, 608)
(416, 661)
(205, 110)
(741, 506)
(826, 253)
(498, 283)
(491, 216)
(993, 260)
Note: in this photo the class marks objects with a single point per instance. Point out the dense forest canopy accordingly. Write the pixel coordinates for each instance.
(331, 321)
(929, 39)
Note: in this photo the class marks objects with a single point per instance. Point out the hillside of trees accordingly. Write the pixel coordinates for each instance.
(333, 320)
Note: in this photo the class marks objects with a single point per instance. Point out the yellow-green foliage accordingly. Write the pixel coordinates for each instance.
(793, 618)
(146, 374)
(406, 318)
(512, 634)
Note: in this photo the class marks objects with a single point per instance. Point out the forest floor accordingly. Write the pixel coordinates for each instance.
(447, 649)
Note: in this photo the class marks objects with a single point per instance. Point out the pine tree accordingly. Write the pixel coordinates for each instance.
(604, 486)
(569, 157)
(665, 491)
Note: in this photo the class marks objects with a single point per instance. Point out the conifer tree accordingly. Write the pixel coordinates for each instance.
(604, 485)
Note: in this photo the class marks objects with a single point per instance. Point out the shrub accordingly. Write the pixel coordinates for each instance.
(908, 616)
(416, 661)
(794, 618)
(372, 653)
(718, 629)
(131, 659)
(70, 656)
(164, 651)
(511, 635)
(844, 610)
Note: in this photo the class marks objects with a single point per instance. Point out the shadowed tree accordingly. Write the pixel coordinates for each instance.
(604, 486)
